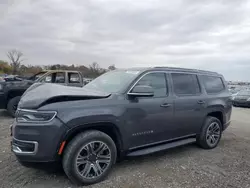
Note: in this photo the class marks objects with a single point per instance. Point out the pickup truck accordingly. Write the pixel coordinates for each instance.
(11, 92)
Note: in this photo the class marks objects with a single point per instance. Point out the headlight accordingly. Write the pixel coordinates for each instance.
(31, 116)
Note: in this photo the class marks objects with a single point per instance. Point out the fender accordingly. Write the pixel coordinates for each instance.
(216, 108)
(213, 108)
(107, 127)
(96, 126)
(13, 93)
(10, 93)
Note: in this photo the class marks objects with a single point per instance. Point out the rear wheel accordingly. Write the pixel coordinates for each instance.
(12, 105)
(88, 158)
(210, 134)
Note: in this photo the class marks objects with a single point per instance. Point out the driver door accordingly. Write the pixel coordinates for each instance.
(151, 118)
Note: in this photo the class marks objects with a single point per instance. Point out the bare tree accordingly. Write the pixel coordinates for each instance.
(15, 57)
(94, 67)
(111, 67)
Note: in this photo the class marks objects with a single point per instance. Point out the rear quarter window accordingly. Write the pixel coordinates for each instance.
(213, 84)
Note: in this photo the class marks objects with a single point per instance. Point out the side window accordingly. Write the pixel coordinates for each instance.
(185, 84)
(74, 78)
(213, 84)
(36, 76)
(59, 77)
(47, 79)
(157, 81)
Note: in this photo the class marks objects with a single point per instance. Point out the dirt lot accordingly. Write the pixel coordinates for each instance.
(226, 166)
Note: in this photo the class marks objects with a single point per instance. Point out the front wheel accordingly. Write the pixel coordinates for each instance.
(88, 158)
(210, 134)
(12, 105)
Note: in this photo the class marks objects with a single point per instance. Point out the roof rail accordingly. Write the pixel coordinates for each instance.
(187, 69)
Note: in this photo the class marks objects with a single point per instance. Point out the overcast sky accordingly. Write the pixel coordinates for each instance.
(204, 34)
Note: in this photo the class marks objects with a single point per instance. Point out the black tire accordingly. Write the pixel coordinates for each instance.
(205, 138)
(12, 105)
(74, 148)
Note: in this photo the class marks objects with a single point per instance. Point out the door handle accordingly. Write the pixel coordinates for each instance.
(165, 105)
(201, 102)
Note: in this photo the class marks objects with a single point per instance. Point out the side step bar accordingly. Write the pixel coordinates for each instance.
(161, 147)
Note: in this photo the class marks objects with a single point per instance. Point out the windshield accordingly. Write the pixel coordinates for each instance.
(36, 76)
(113, 81)
(247, 92)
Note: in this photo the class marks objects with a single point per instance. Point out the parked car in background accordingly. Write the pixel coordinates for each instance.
(11, 78)
(2, 76)
(121, 113)
(87, 80)
(242, 98)
(233, 92)
(11, 92)
(2, 79)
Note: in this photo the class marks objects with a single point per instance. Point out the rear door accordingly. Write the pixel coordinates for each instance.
(189, 103)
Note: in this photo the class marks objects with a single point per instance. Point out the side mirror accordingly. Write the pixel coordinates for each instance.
(142, 90)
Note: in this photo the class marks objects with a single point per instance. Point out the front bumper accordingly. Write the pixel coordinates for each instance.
(37, 142)
(22, 147)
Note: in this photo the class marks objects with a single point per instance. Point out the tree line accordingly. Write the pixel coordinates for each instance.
(15, 66)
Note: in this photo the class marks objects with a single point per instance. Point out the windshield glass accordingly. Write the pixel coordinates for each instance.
(36, 76)
(246, 92)
(113, 81)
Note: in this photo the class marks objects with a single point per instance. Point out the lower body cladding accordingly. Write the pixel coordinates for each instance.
(37, 142)
(241, 103)
(226, 125)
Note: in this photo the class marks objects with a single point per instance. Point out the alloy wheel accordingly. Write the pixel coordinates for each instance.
(213, 134)
(93, 159)
(15, 107)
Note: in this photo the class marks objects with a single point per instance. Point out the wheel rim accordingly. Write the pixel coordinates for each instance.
(93, 159)
(213, 134)
(15, 107)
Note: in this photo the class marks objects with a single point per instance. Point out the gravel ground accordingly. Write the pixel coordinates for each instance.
(228, 165)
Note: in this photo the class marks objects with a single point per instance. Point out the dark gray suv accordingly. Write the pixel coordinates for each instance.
(121, 113)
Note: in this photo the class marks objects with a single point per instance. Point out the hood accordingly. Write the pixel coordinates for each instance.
(41, 94)
(18, 84)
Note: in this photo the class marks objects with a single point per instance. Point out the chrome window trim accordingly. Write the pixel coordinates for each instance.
(161, 71)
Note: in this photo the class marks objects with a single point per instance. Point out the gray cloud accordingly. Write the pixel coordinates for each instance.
(209, 34)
